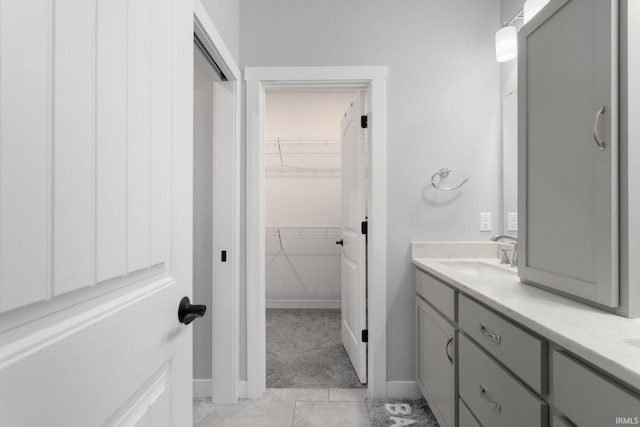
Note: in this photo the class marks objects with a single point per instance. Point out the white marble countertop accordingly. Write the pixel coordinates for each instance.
(608, 341)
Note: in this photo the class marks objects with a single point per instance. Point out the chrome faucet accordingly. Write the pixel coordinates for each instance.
(514, 257)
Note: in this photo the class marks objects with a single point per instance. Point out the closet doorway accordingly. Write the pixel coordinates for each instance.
(312, 185)
(373, 81)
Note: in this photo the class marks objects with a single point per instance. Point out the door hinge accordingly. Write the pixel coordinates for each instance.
(364, 121)
(364, 227)
(365, 335)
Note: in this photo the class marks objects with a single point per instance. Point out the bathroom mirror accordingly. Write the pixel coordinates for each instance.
(510, 164)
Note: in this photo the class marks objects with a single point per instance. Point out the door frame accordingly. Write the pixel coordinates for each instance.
(225, 310)
(374, 81)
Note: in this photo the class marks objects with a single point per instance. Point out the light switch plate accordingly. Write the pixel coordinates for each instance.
(485, 221)
(512, 221)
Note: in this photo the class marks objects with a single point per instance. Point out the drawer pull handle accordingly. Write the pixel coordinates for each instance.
(446, 350)
(493, 405)
(600, 143)
(494, 337)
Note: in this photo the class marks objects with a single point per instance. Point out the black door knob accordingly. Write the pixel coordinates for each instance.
(340, 242)
(188, 312)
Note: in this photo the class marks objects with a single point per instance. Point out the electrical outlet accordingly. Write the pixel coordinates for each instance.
(485, 221)
(512, 221)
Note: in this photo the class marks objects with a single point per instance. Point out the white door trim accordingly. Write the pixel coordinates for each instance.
(374, 80)
(225, 312)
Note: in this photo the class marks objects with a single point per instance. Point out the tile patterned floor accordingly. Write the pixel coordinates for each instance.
(279, 407)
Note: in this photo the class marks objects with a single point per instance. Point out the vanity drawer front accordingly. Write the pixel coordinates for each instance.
(437, 293)
(495, 397)
(520, 351)
(557, 421)
(589, 399)
(465, 419)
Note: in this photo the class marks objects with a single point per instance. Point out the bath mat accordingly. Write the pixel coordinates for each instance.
(400, 412)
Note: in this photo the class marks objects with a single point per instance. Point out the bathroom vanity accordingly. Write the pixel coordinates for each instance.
(492, 351)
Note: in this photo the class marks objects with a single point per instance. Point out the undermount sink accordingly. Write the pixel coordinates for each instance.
(477, 268)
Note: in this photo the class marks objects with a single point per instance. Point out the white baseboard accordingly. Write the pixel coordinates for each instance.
(403, 390)
(202, 389)
(309, 304)
(243, 389)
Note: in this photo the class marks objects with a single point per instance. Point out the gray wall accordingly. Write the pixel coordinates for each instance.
(225, 15)
(443, 110)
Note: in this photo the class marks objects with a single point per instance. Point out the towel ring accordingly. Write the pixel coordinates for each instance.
(444, 172)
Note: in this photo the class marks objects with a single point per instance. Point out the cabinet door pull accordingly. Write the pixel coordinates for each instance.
(494, 337)
(493, 405)
(446, 350)
(601, 144)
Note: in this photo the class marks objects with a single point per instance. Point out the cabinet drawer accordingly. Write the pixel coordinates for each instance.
(465, 419)
(587, 398)
(557, 421)
(520, 351)
(437, 293)
(495, 397)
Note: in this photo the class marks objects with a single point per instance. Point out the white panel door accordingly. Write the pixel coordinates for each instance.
(354, 249)
(95, 212)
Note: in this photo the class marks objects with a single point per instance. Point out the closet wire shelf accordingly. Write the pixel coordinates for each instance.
(328, 231)
(287, 240)
(288, 157)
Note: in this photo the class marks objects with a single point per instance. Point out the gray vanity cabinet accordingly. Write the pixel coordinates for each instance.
(465, 418)
(588, 398)
(494, 396)
(558, 421)
(477, 366)
(435, 351)
(523, 353)
(568, 149)
(498, 365)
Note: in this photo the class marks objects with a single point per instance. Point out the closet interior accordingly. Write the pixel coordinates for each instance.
(303, 213)
(303, 207)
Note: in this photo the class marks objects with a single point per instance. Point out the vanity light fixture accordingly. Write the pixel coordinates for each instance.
(506, 43)
(507, 40)
(507, 36)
